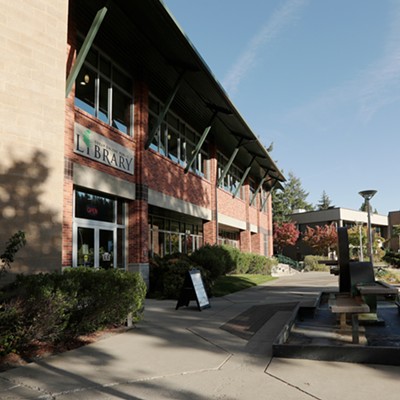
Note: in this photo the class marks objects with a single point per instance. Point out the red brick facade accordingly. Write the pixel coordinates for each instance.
(158, 174)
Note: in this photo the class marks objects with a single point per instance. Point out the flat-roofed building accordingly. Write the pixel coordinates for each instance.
(118, 143)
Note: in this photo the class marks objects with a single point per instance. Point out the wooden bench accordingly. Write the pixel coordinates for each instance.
(343, 304)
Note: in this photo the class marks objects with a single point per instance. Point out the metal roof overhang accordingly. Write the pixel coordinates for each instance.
(142, 36)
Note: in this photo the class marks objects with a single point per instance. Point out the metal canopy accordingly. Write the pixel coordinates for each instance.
(144, 38)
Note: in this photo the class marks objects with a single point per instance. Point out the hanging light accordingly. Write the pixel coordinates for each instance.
(86, 80)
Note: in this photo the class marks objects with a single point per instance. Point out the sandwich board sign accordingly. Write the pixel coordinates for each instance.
(193, 289)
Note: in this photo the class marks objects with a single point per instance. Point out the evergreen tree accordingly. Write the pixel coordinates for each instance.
(325, 202)
(293, 197)
(365, 208)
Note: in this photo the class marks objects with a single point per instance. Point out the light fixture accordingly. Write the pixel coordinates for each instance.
(367, 194)
(86, 80)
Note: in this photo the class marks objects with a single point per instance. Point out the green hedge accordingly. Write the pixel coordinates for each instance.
(311, 263)
(52, 307)
(167, 274)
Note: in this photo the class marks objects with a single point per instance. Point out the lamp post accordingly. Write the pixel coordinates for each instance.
(368, 195)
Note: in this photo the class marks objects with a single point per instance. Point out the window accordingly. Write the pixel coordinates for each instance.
(104, 91)
(176, 140)
(98, 231)
(229, 238)
(167, 236)
(232, 178)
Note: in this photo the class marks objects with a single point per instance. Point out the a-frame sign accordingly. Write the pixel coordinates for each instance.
(193, 289)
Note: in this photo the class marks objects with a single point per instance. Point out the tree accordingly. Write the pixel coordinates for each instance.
(293, 197)
(365, 208)
(285, 234)
(321, 238)
(396, 232)
(354, 234)
(325, 202)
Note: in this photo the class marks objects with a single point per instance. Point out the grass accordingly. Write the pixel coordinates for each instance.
(233, 283)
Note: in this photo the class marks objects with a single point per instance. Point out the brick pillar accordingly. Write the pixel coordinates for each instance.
(138, 229)
(68, 186)
(257, 243)
(210, 227)
(245, 240)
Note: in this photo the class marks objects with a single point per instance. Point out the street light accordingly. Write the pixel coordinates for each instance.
(368, 195)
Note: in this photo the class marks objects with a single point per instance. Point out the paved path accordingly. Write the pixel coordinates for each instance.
(184, 354)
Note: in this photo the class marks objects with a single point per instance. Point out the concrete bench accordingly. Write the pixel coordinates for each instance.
(343, 304)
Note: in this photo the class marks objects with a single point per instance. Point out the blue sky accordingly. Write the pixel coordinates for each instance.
(318, 78)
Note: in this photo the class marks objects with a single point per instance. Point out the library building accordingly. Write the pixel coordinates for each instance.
(118, 143)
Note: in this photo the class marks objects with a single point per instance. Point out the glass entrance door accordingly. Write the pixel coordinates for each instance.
(95, 247)
(106, 249)
(86, 247)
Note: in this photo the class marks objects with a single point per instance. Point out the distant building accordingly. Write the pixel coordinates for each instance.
(394, 219)
(341, 217)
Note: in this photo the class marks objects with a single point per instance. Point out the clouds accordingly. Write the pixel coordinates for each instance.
(278, 21)
(381, 81)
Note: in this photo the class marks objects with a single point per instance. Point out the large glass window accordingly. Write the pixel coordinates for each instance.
(230, 238)
(98, 231)
(104, 90)
(176, 140)
(168, 236)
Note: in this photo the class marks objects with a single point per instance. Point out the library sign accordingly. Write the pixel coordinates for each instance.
(90, 144)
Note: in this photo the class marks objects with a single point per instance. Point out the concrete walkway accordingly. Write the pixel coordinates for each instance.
(184, 354)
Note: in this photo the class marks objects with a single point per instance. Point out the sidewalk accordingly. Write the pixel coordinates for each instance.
(186, 354)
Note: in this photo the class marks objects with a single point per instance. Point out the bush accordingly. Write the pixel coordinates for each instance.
(392, 258)
(250, 263)
(311, 263)
(216, 260)
(167, 275)
(287, 260)
(104, 297)
(49, 307)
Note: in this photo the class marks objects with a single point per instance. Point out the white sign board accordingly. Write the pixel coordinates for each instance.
(92, 145)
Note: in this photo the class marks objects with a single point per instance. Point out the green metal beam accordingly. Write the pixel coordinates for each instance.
(200, 143)
(258, 188)
(164, 111)
(87, 44)
(228, 165)
(243, 177)
(269, 194)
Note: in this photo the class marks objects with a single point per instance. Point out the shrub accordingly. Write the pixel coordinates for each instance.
(216, 260)
(392, 258)
(250, 263)
(16, 242)
(167, 275)
(287, 260)
(11, 326)
(311, 263)
(49, 307)
(104, 297)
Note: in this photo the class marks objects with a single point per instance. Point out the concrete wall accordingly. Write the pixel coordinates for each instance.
(33, 37)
